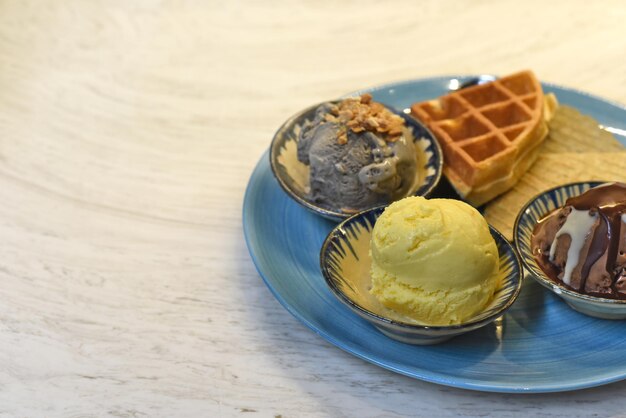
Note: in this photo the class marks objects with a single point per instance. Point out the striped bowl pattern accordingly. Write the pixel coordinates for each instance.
(345, 263)
(288, 170)
(536, 209)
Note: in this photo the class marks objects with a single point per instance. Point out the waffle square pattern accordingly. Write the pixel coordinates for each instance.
(490, 133)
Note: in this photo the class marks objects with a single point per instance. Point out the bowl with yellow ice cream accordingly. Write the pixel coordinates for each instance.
(422, 270)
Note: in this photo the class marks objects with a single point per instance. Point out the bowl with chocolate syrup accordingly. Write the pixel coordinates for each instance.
(572, 240)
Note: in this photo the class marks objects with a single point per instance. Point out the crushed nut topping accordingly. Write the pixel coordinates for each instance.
(363, 114)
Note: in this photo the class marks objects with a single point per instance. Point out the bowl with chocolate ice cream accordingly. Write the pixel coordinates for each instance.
(572, 240)
(344, 156)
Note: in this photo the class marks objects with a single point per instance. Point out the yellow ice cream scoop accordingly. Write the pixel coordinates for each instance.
(434, 261)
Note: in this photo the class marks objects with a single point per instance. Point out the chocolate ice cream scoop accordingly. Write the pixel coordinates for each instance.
(583, 244)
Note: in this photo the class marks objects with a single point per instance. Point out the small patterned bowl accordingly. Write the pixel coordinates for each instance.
(293, 176)
(345, 262)
(537, 208)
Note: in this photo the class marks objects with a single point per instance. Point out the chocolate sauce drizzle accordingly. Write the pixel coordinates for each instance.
(609, 202)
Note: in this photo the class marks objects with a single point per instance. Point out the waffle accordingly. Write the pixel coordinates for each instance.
(490, 133)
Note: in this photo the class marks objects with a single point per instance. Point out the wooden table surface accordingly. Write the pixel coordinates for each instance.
(129, 131)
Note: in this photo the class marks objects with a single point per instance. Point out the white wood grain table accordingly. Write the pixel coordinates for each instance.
(128, 131)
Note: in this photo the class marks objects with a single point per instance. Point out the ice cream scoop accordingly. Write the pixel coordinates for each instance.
(359, 154)
(434, 261)
(583, 244)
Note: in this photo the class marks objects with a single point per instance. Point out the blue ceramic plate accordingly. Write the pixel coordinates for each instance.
(542, 346)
